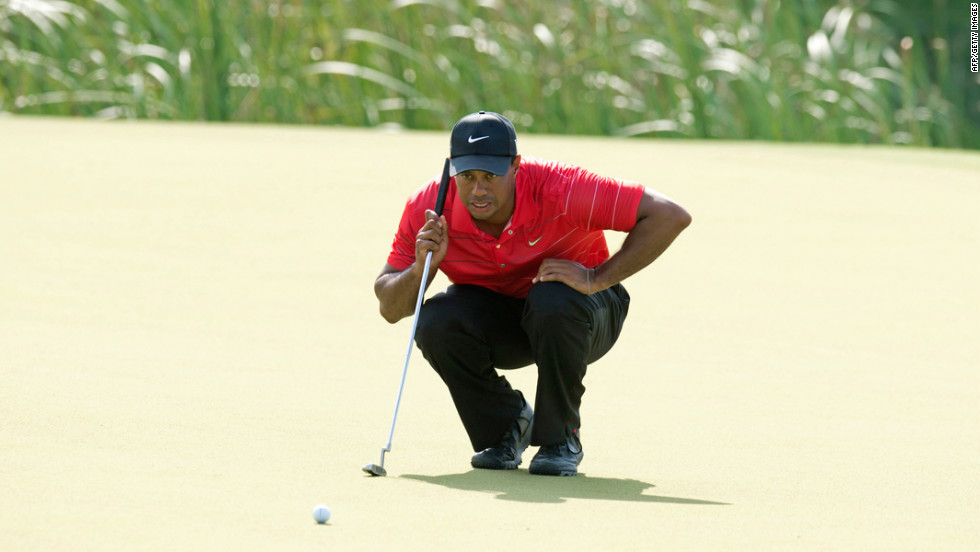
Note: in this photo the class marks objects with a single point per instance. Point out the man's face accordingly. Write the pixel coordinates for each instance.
(488, 197)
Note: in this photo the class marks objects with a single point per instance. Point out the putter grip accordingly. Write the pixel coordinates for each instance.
(443, 188)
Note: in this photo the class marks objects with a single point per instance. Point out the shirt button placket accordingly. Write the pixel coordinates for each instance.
(509, 233)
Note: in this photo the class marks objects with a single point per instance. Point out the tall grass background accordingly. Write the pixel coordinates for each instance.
(849, 71)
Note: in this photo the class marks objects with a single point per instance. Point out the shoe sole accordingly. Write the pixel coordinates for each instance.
(554, 473)
(512, 465)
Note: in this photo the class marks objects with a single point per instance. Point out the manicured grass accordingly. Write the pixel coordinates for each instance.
(192, 356)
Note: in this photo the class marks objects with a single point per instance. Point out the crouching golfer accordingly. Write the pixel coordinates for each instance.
(521, 240)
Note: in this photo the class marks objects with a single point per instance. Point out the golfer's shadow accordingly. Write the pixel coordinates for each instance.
(519, 485)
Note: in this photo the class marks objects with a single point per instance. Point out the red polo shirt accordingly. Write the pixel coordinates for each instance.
(560, 212)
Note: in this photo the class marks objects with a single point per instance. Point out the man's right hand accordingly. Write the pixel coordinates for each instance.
(433, 237)
(397, 290)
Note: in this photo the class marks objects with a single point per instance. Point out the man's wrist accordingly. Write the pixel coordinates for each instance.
(597, 281)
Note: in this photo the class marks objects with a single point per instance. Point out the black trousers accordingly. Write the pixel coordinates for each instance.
(468, 332)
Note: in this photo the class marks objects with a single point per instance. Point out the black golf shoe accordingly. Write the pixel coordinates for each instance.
(559, 459)
(507, 454)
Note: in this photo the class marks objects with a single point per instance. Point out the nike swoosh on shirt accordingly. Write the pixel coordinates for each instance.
(535, 242)
(472, 139)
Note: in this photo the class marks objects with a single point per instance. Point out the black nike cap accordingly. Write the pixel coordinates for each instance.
(484, 141)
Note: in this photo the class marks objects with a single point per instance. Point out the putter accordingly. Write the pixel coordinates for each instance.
(379, 469)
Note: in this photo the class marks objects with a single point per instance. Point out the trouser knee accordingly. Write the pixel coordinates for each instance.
(439, 328)
(431, 325)
(555, 308)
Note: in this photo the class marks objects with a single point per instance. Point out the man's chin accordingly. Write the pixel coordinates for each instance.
(481, 214)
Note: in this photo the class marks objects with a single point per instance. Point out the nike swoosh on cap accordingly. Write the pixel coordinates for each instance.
(472, 139)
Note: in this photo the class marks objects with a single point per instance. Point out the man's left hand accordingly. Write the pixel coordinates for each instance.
(570, 273)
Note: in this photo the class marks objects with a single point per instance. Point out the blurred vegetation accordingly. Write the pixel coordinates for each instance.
(850, 71)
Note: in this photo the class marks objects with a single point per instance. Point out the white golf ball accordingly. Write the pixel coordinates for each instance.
(321, 513)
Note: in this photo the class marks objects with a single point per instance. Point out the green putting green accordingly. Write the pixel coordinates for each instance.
(191, 356)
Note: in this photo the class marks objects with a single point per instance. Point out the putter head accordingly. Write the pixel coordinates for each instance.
(375, 470)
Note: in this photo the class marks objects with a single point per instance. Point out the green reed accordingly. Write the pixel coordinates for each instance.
(856, 71)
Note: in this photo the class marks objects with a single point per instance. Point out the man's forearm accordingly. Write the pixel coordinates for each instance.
(397, 291)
